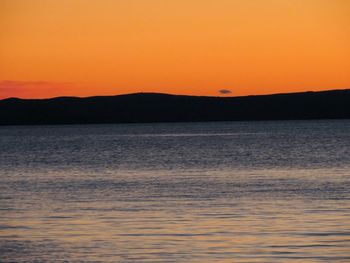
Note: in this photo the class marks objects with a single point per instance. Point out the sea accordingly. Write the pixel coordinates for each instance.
(259, 191)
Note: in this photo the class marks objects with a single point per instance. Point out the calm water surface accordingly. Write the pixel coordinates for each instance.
(200, 192)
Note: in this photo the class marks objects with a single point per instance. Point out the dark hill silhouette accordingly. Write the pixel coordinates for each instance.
(154, 107)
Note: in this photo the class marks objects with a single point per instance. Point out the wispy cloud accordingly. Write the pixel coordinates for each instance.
(225, 91)
(32, 89)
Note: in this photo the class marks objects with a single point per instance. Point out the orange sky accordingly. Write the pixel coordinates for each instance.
(102, 47)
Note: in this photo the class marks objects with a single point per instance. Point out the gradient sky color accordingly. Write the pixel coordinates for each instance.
(103, 47)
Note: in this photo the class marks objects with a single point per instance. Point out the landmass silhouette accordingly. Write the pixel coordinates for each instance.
(157, 107)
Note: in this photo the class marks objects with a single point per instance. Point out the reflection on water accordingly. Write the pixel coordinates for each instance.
(202, 192)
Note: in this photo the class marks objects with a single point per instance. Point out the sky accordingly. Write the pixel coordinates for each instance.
(52, 48)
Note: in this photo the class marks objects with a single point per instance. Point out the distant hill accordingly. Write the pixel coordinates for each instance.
(154, 107)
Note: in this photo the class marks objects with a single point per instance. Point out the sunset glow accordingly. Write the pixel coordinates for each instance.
(54, 48)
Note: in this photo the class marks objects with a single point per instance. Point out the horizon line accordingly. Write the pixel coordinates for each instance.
(171, 94)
